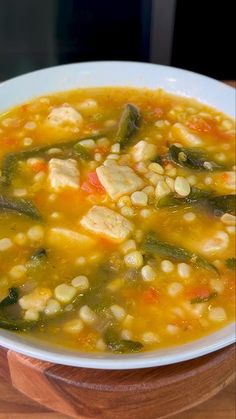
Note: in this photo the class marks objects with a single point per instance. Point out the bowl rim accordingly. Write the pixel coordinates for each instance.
(217, 92)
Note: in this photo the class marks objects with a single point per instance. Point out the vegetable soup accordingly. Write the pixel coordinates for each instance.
(117, 219)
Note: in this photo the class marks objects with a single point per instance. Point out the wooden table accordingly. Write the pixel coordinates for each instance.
(14, 405)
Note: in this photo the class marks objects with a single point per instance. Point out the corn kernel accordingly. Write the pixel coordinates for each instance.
(134, 259)
(87, 315)
(73, 326)
(118, 312)
(64, 293)
(80, 282)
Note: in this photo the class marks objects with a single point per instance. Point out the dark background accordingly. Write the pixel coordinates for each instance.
(41, 33)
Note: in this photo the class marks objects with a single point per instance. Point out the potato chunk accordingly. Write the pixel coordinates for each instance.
(107, 223)
(64, 237)
(63, 174)
(143, 151)
(64, 115)
(119, 180)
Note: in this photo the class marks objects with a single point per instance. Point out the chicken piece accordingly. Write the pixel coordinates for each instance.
(181, 133)
(63, 174)
(64, 237)
(119, 180)
(143, 151)
(36, 300)
(64, 115)
(107, 223)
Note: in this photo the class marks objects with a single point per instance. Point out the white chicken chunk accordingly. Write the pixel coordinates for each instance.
(107, 223)
(181, 133)
(143, 151)
(63, 174)
(119, 180)
(63, 115)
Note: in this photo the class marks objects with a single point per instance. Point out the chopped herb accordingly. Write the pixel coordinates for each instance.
(198, 300)
(38, 259)
(82, 152)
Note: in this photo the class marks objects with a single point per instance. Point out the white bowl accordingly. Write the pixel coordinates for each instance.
(91, 74)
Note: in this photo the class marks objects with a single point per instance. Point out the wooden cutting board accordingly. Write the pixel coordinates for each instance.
(135, 394)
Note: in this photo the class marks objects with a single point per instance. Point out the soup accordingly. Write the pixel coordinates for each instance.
(117, 219)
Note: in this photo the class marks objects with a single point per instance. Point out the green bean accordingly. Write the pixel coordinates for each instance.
(17, 325)
(11, 160)
(231, 264)
(192, 159)
(12, 298)
(128, 124)
(152, 245)
(37, 260)
(199, 300)
(19, 206)
(117, 345)
(206, 200)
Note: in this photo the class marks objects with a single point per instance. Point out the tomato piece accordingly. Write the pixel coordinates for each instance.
(24, 108)
(150, 296)
(94, 181)
(88, 188)
(101, 150)
(201, 291)
(39, 167)
(200, 125)
(225, 177)
(9, 141)
(158, 112)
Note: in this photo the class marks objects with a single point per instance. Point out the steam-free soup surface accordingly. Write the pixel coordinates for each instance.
(117, 219)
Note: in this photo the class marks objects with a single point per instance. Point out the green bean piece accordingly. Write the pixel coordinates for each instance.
(196, 197)
(8, 168)
(12, 298)
(128, 125)
(117, 345)
(199, 300)
(193, 159)
(231, 264)
(152, 245)
(206, 200)
(17, 325)
(19, 206)
(73, 147)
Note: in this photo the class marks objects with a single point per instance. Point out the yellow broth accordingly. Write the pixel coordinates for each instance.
(114, 294)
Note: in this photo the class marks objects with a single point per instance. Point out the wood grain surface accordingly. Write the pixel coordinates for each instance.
(14, 405)
(132, 394)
